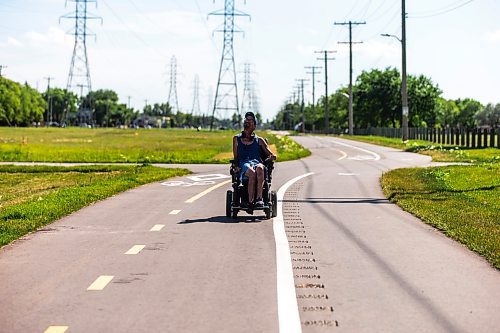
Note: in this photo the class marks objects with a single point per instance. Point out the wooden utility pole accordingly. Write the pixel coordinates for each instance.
(351, 117)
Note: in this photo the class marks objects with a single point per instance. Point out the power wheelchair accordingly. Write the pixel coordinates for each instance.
(239, 192)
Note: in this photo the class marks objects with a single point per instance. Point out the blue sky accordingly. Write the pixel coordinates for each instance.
(454, 42)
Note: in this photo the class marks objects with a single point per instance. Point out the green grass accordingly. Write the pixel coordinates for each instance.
(439, 153)
(128, 145)
(462, 201)
(33, 196)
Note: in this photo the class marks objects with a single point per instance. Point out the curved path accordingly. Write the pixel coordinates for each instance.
(164, 258)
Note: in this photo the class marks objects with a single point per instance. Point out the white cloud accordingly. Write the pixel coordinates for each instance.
(11, 41)
(493, 36)
(53, 36)
(179, 23)
(376, 49)
(306, 50)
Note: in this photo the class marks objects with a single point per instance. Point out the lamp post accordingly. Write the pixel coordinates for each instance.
(404, 89)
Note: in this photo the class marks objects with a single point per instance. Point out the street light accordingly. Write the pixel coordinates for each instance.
(404, 89)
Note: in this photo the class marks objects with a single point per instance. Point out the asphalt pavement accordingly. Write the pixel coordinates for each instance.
(164, 258)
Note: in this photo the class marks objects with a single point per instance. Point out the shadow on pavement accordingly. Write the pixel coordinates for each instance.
(343, 200)
(225, 219)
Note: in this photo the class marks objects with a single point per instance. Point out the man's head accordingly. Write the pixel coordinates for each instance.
(250, 120)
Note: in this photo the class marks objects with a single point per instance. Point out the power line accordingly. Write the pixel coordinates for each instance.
(442, 11)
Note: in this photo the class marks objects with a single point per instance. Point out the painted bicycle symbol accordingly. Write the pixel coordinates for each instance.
(200, 180)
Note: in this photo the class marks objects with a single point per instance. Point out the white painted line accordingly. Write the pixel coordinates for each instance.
(101, 282)
(288, 310)
(175, 212)
(135, 249)
(375, 155)
(347, 174)
(157, 227)
(208, 190)
(56, 329)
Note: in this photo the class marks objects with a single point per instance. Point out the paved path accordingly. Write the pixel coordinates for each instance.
(162, 258)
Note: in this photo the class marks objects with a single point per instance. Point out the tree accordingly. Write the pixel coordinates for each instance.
(446, 114)
(422, 99)
(376, 98)
(20, 105)
(62, 101)
(489, 115)
(10, 101)
(467, 110)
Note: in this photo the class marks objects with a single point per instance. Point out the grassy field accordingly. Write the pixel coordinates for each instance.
(463, 201)
(33, 196)
(128, 145)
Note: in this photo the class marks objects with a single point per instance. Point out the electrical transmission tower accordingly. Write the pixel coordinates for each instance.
(79, 72)
(172, 93)
(196, 110)
(249, 100)
(226, 93)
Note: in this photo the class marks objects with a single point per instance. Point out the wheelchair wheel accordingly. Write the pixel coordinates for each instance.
(274, 203)
(229, 201)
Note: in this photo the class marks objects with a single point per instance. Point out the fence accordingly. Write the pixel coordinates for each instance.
(465, 137)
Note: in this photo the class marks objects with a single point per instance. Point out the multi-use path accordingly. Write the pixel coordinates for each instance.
(164, 258)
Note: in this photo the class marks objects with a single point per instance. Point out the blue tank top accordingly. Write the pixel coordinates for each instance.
(248, 152)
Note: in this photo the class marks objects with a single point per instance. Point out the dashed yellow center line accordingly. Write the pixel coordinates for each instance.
(101, 282)
(208, 190)
(157, 227)
(56, 329)
(135, 249)
(175, 212)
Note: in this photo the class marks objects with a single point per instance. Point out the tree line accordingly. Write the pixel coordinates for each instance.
(377, 103)
(22, 105)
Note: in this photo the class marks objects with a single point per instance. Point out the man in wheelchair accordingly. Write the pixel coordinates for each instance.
(251, 155)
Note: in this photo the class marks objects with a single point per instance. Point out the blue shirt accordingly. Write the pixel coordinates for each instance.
(248, 152)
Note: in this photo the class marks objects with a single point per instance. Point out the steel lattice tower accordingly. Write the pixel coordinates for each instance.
(172, 93)
(79, 72)
(248, 100)
(196, 110)
(226, 93)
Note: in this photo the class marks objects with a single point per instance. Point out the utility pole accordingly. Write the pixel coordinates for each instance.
(351, 117)
(313, 72)
(404, 89)
(301, 94)
(49, 100)
(325, 58)
(226, 93)
(2, 67)
(128, 101)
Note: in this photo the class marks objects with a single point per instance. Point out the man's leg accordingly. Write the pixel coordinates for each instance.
(259, 170)
(251, 184)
